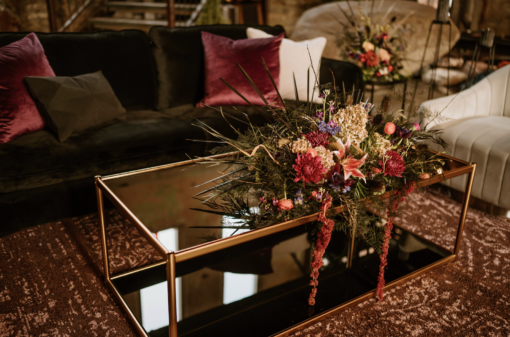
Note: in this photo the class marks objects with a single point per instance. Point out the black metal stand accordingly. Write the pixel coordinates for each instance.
(372, 85)
(486, 42)
(436, 58)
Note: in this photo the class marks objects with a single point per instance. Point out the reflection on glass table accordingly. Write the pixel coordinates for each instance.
(268, 279)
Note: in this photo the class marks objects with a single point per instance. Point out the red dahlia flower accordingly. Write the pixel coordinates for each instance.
(394, 165)
(370, 58)
(317, 138)
(308, 168)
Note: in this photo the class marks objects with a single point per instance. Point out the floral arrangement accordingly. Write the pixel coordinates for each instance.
(376, 48)
(330, 159)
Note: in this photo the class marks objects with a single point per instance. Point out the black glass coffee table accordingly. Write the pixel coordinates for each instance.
(218, 280)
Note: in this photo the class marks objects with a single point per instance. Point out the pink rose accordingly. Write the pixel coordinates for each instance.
(417, 126)
(285, 205)
(384, 55)
(376, 170)
(424, 176)
(312, 152)
(389, 128)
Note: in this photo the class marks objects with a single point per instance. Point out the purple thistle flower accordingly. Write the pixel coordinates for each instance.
(299, 198)
(331, 127)
(340, 188)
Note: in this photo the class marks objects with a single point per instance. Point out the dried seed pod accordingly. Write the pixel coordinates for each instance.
(349, 100)
(282, 142)
(378, 187)
(334, 146)
(385, 105)
(377, 119)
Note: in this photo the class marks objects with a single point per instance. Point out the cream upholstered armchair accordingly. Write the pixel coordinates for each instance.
(478, 130)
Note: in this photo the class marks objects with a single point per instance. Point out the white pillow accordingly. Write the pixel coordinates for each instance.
(294, 58)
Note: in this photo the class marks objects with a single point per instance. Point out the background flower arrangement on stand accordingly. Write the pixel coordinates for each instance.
(330, 159)
(377, 48)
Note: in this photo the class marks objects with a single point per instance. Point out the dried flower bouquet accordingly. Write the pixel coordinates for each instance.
(378, 48)
(310, 158)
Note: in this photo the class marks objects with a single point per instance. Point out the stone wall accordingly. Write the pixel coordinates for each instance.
(496, 15)
(287, 12)
(23, 15)
(32, 15)
(9, 17)
(492, 14)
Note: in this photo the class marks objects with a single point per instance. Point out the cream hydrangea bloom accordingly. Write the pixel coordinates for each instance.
(381, 146)
(326, 157)
(353, 120)
(367, 46)
(301, 146)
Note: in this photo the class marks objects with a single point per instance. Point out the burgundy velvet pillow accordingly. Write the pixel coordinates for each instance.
(221, 55)
(18, 112)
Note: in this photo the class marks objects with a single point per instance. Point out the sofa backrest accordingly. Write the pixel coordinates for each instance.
(489, 97)
(124, 57)
(179, 56)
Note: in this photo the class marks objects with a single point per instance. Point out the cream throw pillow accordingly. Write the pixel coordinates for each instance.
(294, 58)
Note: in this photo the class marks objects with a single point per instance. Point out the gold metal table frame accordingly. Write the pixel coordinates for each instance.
(458, 168)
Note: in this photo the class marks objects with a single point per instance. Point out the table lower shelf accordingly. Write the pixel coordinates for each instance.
(273, 309)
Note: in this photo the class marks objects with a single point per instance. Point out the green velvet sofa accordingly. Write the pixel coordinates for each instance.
(158, 77)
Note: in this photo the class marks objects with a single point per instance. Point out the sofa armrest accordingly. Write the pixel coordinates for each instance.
(486, 98)
(346, 72)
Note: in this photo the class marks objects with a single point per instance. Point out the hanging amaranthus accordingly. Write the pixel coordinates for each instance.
(394, 205)
(323, 238)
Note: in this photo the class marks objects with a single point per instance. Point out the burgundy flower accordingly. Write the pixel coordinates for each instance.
(403, 133)
(308, 168)
(317, 138)
(370, 58)
(338, 181)
(394, 166)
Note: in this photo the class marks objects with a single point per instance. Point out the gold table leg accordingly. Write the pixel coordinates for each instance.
(172, 294)
(462, 221)
(350, 253)
(104, 247)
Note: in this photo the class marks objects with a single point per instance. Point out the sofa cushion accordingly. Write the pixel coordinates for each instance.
(222, 57)
(124, 57)
(297, 58)
(486, 141)
(18, 112)
(179, 55)
(145, 139)
(73, 104)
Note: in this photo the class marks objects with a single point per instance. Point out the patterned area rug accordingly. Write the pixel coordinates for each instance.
(51, 280)
(468, 298)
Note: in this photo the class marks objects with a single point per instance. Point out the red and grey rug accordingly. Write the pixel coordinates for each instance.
(51, 284)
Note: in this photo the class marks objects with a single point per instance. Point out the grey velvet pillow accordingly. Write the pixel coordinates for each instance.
(71, 104)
